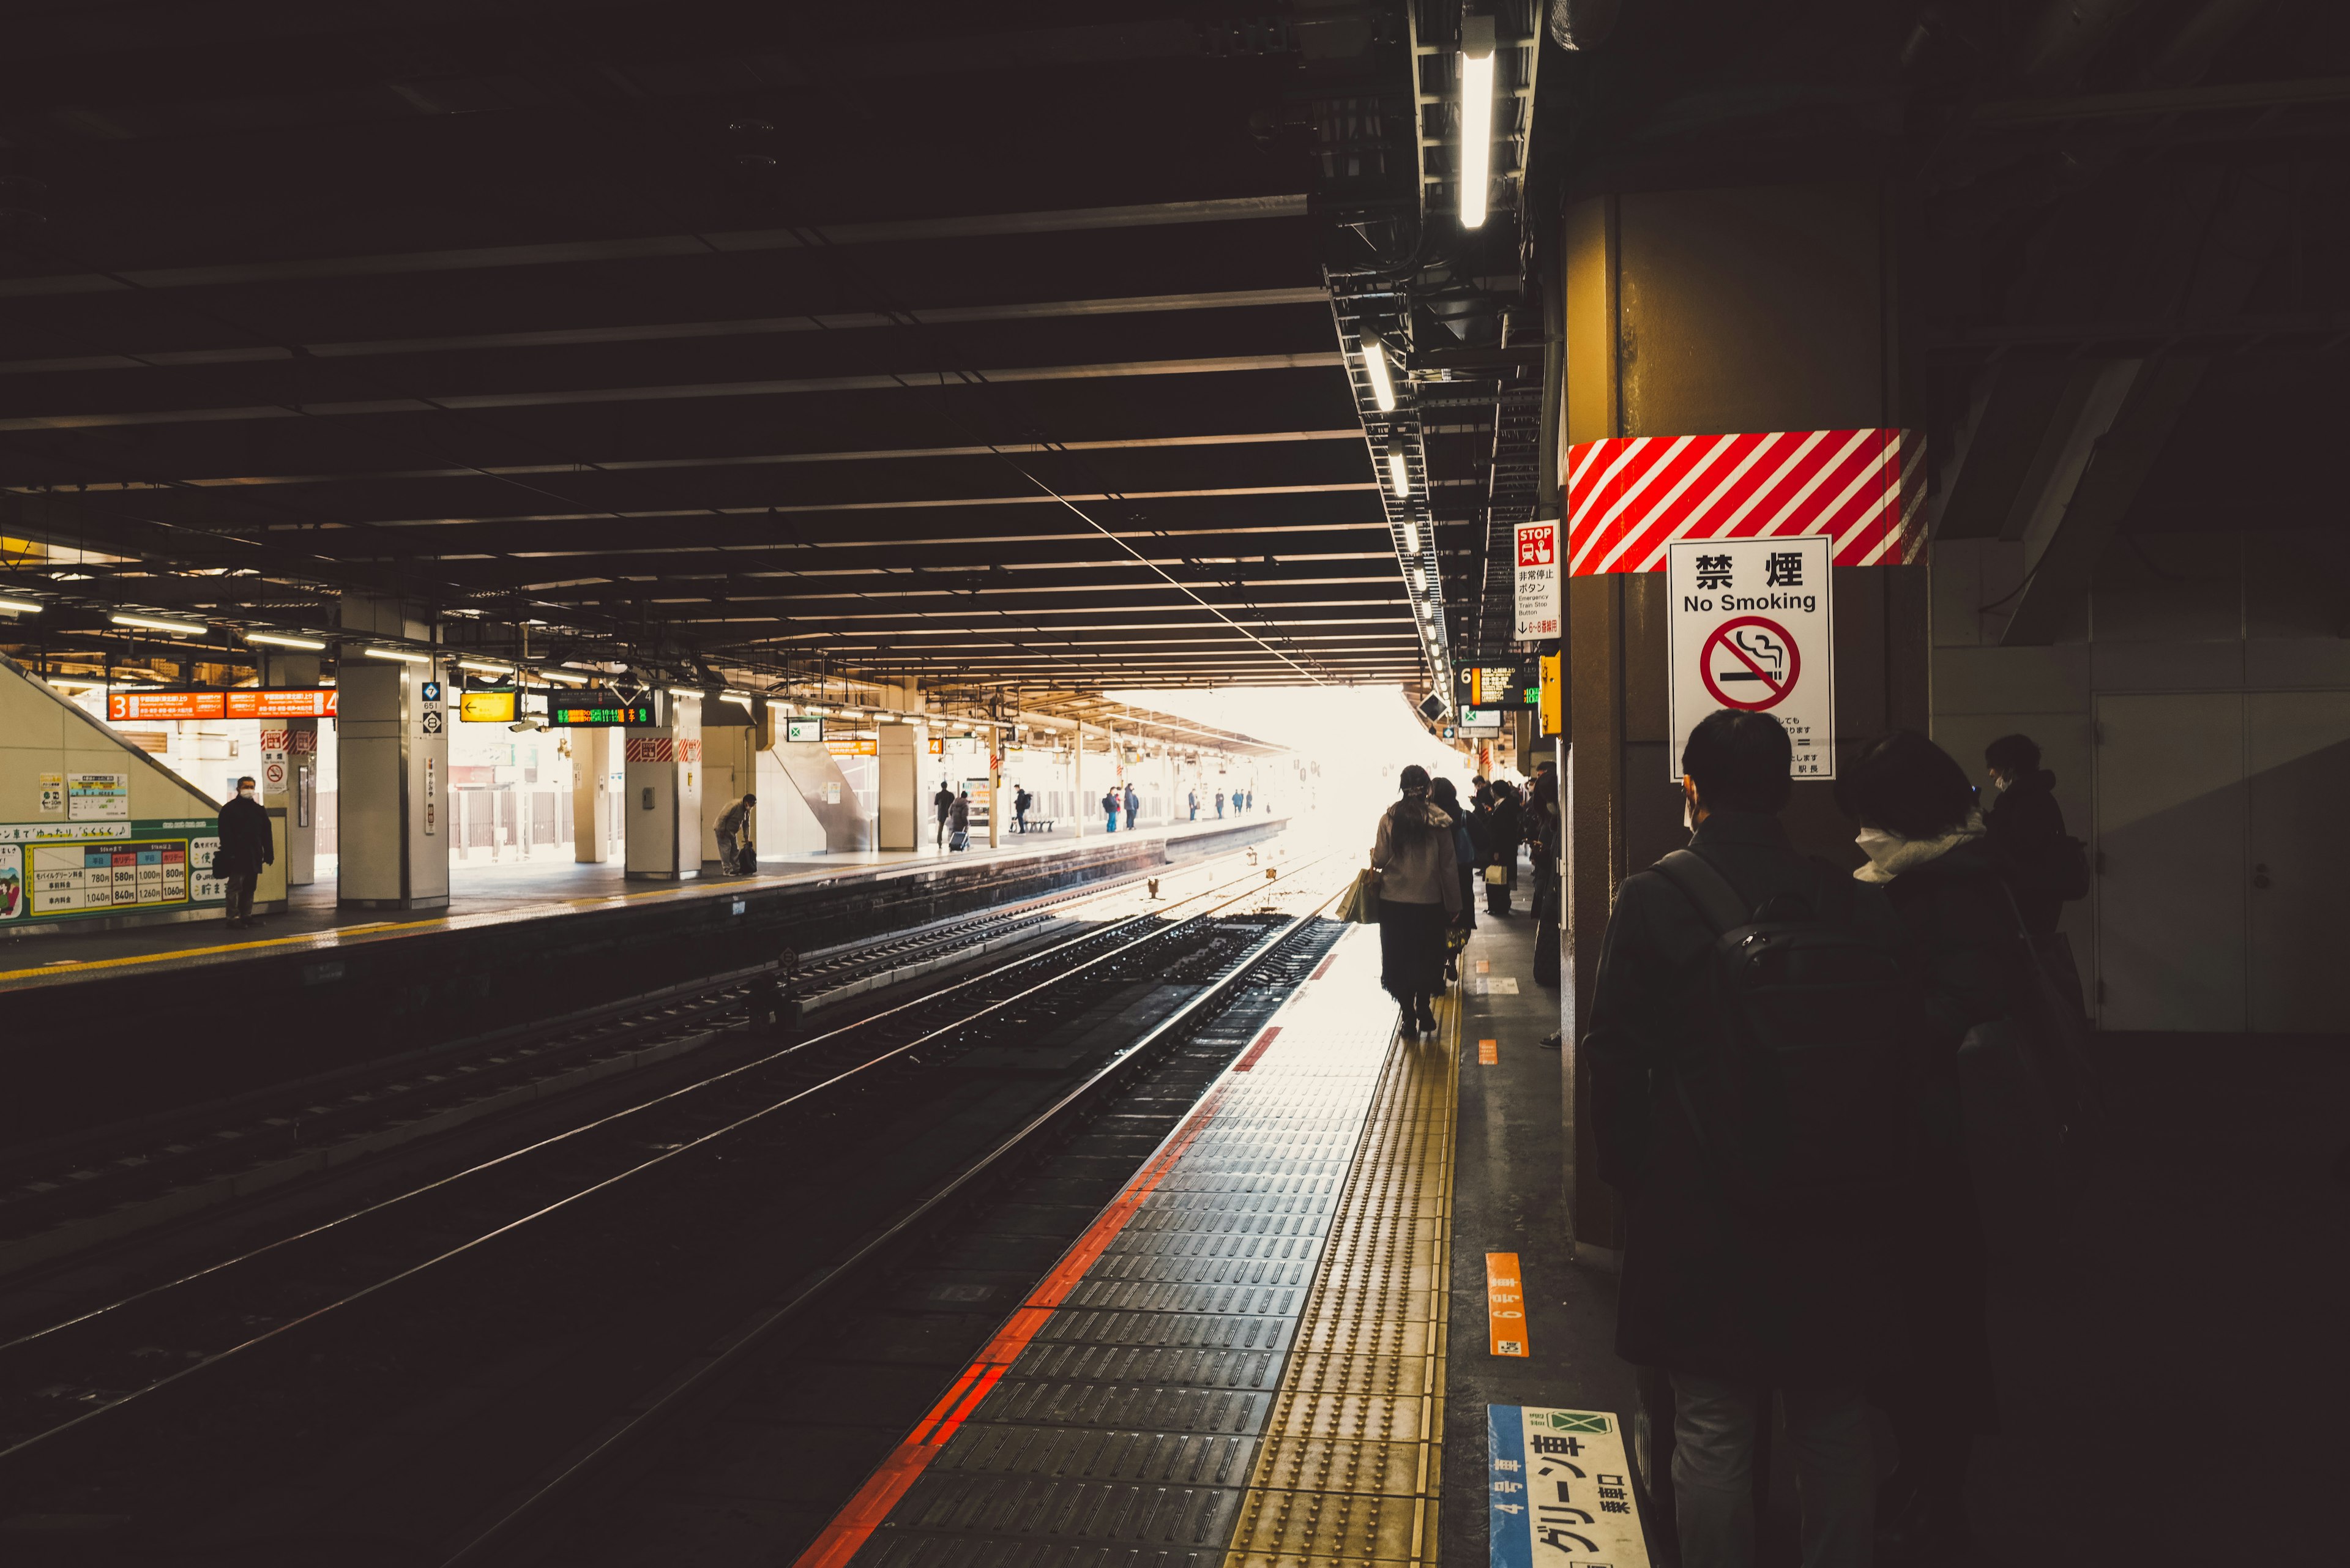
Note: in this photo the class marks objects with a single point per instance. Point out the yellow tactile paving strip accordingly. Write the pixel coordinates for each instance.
(1351, 1466)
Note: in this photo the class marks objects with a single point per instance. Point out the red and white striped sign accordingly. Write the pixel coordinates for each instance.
(651, 749)
(1629, 497)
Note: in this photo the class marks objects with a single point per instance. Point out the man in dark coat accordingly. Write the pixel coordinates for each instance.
(1730, 1311)
(943, 803)
(2028, 843)
(246, 845)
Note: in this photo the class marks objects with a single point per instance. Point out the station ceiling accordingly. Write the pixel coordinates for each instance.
(980, 343)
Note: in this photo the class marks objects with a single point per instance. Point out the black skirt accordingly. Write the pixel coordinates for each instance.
(1411, 950)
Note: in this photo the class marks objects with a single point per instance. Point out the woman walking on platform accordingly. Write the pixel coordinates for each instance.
(1420, 899)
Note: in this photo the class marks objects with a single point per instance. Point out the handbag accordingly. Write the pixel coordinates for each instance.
(1497, 875)
(1359, 904)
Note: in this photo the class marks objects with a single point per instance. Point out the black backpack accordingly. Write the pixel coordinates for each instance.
(1804, 1091)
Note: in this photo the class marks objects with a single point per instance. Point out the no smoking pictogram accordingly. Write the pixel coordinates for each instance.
(1751, 662)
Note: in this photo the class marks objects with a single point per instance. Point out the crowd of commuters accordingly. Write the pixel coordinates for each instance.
(1800, 1221)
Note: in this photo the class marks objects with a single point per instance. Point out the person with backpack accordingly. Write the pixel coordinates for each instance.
(2044, 866)
(1420, 899)
(1752, 1045)
(1926, 844)
(959, 821)
(1109, 804)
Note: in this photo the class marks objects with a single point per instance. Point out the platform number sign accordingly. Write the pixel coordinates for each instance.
(1752, 631)
(1560, 1491)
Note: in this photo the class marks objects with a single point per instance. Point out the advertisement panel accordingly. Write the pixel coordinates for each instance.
(63, 871)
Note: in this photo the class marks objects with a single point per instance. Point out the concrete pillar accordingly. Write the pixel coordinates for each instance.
(1691, 313)
(392, 756)
(591, 796)
(1085, 808)
(994, 788)
(664, 794)
(907, 820)
(297, 778)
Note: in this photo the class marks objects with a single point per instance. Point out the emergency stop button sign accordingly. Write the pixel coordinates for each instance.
(1751, 629)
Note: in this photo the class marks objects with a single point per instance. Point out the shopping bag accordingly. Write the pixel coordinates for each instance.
(1360, 902)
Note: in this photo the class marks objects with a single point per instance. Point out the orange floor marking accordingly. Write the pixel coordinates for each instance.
(863, 1514)
(1485, 966)
(1489, 1053)
(1505, 1304)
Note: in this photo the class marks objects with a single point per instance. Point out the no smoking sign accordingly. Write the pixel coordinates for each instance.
(1751, 629)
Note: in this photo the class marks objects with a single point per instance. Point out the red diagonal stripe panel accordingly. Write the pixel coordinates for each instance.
(1629, 497)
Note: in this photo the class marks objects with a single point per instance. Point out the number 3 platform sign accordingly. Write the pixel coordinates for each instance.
(1751, 629)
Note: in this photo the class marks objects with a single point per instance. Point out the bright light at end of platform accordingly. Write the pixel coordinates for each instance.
(1476, 117)
(1399, 473)
(1375, 365)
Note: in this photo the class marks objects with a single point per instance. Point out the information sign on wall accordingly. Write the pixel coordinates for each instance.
(53, 794)
(1485, 720)
(803, 729)
(97, 797)
(1751, 629)
(287, 702)
(1538, 613)
(69, 871)
(487, 706)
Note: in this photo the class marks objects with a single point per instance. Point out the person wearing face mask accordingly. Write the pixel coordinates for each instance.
(1927, 847)
(245, 846)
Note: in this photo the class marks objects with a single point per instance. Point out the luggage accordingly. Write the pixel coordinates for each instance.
(959, 839)
(1360, 902)
(1802, 1098)
(1497, 875)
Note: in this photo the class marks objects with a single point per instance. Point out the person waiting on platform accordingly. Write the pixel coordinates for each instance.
(1020, 801)
(1927, 847)
(1109, 810)
(1220, 805)
(943, 803)
(246, 845)
(959, 821)
(1420, 899)
(1756, 1256)
(1193, 800)
(1133, 806)
(1509, 832)
(735, 856)
(2044, 866)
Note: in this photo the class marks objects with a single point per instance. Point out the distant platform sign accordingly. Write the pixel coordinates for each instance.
(1560, 1491)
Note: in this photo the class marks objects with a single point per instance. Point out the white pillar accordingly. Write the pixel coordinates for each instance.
(664, 794)
(591, 796)
(905, 814)
(392, 758)
(1084, 807)
(994, 787)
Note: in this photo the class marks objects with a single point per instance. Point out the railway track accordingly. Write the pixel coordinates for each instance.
(93, 1189)
(145, 1413)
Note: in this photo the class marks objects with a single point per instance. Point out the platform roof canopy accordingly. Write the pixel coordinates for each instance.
(968, 343)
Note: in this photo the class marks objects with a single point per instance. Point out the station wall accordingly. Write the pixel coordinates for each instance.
(2197, 716)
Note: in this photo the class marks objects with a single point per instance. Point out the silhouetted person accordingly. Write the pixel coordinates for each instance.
(1220, 805)
(246, 845)
(733, 826)
(1133, 806)
(1020, 801)
(1925, 845)
(943, 803)
(1733, 1285)
(1419, 897)
(2043, 865)
(1509, 829)
(959, 820)
(1193, 798)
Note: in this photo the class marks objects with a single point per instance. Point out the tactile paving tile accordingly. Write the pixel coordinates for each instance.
(1124, 1433)
(1351, 1465)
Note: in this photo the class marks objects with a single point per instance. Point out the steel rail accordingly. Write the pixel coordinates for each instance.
(82, 1424)
(503, 1540)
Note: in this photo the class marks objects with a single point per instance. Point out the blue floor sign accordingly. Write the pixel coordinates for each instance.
(1561, 1491)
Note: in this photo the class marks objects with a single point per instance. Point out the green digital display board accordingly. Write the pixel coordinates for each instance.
(573, 713)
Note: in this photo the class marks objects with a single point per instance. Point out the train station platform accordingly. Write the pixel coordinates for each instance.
(1278, 1344)
(193, 1012)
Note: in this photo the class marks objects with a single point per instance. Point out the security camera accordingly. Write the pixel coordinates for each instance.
(521, 725)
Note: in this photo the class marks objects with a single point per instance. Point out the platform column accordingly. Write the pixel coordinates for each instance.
(664, 793)
(591, 796)
(905, 805)
(1699, 312)
(391, 738)
(1084, 807)
(292, 804)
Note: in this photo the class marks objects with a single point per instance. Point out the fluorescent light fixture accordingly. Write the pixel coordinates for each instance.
(19, 606)
(681, 691)
(280, 640)
(742, 697)
(150, 623)
(1399, 473)
(1375, 365)
(485, 666)
(401, 654)
(1418, 580)
(1476, 117)
(1411, 538)
(560, 677)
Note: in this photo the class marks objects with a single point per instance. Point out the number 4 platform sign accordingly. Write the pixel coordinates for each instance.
(1561, 1491)
(1751, 629)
